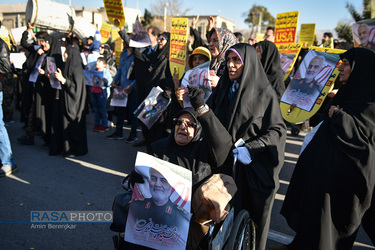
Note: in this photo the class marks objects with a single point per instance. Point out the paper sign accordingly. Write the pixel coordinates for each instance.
(152, 107)
(119, 97)
(288, 56)
(312, 82)
(307, 34)
(364, 34)
(197, 76)
(159, 213)
(105, 31)
(177, 52)
(115, 12)
(94, 78)
(51, 69)
(286, 27)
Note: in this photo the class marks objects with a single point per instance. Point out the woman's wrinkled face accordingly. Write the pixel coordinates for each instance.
(184, 129)
(214, 45)
(345, 70)
(235, 66)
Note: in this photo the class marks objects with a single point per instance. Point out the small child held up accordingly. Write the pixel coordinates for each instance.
(99, 97)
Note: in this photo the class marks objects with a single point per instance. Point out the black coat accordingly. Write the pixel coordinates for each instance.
(271, 64)
(207, 151)
(334, 178)
(253, 114)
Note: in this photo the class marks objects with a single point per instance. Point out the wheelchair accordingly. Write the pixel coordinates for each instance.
(234, 232)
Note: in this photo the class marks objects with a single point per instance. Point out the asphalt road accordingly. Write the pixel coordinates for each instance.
(89, 183)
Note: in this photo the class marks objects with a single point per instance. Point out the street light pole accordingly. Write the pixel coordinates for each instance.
(165, 16)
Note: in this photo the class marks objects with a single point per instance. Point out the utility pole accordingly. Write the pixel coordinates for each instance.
(165, 15)
(260, 22)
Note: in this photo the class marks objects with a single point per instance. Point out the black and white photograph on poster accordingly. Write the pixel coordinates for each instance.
(119, 97)
(152, 107)
(364, 34)
(197, 76)
(51, 69)
(35, 71)
(94, 78)
(159, 213)
(310, 79)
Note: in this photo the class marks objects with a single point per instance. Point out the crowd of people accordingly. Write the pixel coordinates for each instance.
(331, 190)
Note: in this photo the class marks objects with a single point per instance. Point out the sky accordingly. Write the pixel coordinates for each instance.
(324, 13)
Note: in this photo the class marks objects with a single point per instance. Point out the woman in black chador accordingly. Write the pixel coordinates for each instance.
(270, 58)
(246, 104)
(73, 96)
(332, 186)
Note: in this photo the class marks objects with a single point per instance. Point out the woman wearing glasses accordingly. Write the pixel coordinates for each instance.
(194, 144)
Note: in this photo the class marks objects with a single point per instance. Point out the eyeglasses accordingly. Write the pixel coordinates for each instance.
(101, 47)
(161, 39)
(178, 122)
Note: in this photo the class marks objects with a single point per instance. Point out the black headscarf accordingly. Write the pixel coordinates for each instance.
(271, 64)
(190, 156)
(336, 171)
(74, 89)
(254, 111)
(253, 114)
(55, 49)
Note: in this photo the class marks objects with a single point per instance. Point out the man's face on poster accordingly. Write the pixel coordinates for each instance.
(283, 61)
(313, 69)
(362, 34)
(159, 188)
(194, 78)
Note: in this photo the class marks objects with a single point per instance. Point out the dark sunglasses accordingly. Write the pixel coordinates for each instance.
(178, 122)
(101, 47)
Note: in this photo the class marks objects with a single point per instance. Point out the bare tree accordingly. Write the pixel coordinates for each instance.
(259, 15)
(173, 8)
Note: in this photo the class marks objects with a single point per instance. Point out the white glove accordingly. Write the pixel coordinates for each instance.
(243, 155)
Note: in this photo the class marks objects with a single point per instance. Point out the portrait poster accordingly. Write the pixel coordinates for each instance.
(288, 56)
(139, 37)
(115, 12)
(159, 213)
(286, 27)
(18, 59)
(152, 107)
(177, 52)
(119, 97)
(364, 34)
(197, 76)
(35, 71)
(94, 78)
(51, 69)
(307, 34)
(310, 79)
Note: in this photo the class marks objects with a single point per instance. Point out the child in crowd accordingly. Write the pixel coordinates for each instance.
(99, 95)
